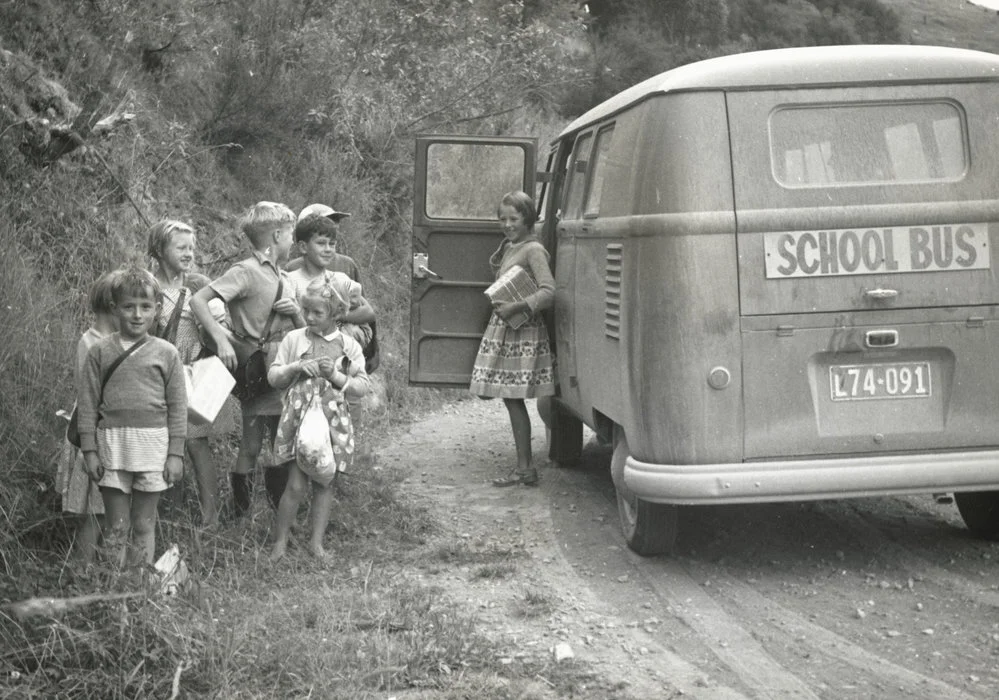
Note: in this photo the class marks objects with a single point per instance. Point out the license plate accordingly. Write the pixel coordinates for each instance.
(890, 380)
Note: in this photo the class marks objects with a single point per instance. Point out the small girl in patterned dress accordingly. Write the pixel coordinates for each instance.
(316, 360)
(516, 363)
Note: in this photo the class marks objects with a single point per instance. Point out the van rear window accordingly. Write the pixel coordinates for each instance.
(861, 144)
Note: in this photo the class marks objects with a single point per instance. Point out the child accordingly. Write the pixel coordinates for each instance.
(516, 364)
(316, 236)
(318, 359)
(133, 419)
(171, 245)
(337, 262)
(250, 292)
(79, 496)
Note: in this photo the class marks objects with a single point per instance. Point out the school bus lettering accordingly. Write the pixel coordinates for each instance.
(876, 251)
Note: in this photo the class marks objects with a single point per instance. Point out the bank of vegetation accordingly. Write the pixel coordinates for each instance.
(116, 113)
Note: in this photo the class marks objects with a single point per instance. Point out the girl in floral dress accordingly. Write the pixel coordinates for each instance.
(516, 363)
(318, 360)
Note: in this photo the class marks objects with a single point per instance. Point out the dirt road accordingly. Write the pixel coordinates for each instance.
(876, 598)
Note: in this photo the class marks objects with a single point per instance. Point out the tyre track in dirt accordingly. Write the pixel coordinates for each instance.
(729, 618)
(749, 631)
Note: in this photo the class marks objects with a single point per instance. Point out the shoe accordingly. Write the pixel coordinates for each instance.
(527, 478)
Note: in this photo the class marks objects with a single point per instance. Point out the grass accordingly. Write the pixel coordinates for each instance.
(534, 603)
(362, 625)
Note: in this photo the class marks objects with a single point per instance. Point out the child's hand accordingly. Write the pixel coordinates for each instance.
(327, 366)
(173, 470)
(347, 367)
(286, 307)
(92, 465)
(507, 309)
(310, 368)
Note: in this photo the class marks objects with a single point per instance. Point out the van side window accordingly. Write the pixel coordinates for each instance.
(545, 187)
(596, 184)
(864, 144)
(577, 177)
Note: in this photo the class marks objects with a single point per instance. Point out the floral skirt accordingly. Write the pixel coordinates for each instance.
(514, 363)
(296, 400)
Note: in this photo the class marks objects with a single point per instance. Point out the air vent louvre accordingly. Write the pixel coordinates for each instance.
(612, 291)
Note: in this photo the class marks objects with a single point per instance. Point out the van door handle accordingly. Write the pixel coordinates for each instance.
(881, 293)
(420, 269)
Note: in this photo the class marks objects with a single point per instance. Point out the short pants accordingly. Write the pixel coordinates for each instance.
(148, 482)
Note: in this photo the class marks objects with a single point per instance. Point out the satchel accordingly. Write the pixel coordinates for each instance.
(251, 360)
(73, 429)
(251, 369)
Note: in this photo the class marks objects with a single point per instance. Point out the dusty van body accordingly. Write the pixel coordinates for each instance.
(774, 281)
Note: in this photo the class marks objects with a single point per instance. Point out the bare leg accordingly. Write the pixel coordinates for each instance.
(521, 423)
(294, 492)
(322, 503)
(117, 511)
(87, 534)
(143, 515)
(207, 477)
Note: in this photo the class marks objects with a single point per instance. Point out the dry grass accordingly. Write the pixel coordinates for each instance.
(948, 23)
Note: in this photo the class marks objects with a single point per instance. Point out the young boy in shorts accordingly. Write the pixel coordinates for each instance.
(250, 292)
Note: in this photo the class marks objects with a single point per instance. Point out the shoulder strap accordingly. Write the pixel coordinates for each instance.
(170, 332)
(270, 318)
(117, 361)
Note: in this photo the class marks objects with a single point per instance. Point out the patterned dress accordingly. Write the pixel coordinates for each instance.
(297, 399)
(517, 363)
(79, 494)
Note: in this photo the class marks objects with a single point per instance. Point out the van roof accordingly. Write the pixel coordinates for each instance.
(806, 67)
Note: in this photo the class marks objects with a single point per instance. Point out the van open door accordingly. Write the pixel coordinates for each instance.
(457, 186)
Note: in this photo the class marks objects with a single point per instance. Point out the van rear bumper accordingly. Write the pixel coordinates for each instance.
(813, 479)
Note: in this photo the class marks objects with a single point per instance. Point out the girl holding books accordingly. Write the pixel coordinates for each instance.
(514, 361)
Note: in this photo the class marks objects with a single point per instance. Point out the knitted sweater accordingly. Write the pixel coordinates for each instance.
(532, 256)
(147, 390)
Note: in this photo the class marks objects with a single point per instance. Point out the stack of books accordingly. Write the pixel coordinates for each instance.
(513, 285)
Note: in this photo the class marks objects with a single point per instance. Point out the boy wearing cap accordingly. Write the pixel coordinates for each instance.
(337, 262)
(315, 236)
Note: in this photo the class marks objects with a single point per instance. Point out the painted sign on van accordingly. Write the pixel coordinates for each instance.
(877, 250)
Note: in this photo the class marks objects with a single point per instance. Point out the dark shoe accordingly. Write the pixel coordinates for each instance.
(527, 478)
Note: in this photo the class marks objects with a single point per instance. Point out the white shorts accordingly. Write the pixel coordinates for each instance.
(147, 482)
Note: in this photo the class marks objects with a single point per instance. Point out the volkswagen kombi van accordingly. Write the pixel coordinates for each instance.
(774, 278)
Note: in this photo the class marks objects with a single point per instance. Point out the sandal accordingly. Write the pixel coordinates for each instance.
(527, 478)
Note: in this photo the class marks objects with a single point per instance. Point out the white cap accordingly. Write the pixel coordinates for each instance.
(321, 210)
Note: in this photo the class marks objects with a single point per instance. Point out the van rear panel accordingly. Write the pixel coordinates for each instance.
(867, 289)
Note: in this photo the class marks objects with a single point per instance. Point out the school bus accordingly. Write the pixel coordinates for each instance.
(774, 278)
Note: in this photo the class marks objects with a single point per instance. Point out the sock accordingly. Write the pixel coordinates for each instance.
(275, 480)
(242, 489)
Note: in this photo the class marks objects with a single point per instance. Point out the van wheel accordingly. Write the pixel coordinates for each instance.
(649, 528)
(980, 511)
(565, 436)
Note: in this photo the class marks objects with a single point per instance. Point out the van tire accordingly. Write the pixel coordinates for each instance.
(980, 512)
(649, 528)
(565, 436)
